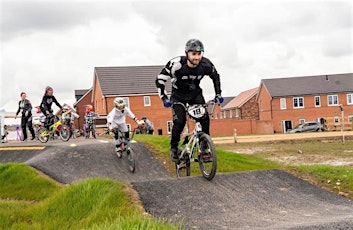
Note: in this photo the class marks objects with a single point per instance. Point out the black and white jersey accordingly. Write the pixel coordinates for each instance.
(186, 80)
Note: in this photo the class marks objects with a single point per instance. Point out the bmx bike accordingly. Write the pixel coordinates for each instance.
(198, 146)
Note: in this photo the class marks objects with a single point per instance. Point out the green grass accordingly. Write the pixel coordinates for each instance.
(93, 203)
(226, 160)
(336, 179)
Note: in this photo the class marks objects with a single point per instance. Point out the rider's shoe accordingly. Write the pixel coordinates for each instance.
(118, 148)
(118, 151)
(174, 154)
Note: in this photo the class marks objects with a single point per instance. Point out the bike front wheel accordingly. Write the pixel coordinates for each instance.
(130, 155)
(65, 133)
(207, 157)
(43, 135)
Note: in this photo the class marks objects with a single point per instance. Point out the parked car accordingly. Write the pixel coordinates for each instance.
(311, 126)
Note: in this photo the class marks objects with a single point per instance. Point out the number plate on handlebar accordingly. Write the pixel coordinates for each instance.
(196, 111)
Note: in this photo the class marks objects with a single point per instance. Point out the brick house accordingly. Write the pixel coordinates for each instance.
(288, 102)
(243, 106)
(136, 84)
(83, 98)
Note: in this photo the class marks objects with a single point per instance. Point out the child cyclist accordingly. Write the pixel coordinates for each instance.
(90, 117)
(116, 121)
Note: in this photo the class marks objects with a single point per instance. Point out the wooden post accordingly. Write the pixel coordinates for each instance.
(235, 136)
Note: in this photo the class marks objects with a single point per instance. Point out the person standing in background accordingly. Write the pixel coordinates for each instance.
(25, 108)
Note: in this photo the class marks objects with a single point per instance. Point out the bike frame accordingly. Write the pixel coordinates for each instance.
(52, 128)
(188, 153)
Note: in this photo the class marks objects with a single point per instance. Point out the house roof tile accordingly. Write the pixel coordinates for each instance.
(241, 99)
(320, 84)
(127, 80)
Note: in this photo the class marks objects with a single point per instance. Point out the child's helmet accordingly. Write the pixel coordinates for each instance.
(89, 108)
(119, 103)
(65, 108)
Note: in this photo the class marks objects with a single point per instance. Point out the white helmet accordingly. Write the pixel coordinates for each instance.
(119, 103)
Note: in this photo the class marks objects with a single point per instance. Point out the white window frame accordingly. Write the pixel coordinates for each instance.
(282, 103)
(336, 119)
(301, 121)
(350, 118)
(349, 98)
(331, 99)
(147, 101)
(126, 100)
(169, 127)
(298, 99)
(317, 99)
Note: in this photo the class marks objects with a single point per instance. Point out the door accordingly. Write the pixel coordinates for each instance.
(286, 125)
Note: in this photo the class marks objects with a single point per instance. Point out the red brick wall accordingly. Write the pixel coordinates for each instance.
(264, 104)
(81, 109)
(309, 112)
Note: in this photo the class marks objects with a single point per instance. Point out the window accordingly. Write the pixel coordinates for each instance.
(126, 100)
(169, 126)
(298, 102)
(147, 101)
(350, 99)
(332, 100)
(350, 118)
(282, 103)
(301, 121)
(336, 119)
(317, 101)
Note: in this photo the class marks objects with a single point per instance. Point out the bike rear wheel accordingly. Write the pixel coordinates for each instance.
(130, 155)
(207, 157)
(43, 135)
(182, 168)
(65, 133)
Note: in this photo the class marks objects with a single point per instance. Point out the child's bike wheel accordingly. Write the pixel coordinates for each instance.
(43, 135)
(131, 159)
(65, 133)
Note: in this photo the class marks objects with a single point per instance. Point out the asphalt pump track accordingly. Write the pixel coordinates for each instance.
(266, 199)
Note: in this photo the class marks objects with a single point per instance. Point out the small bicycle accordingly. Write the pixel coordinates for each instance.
(44, 132)
(199, 146)
(123, 149)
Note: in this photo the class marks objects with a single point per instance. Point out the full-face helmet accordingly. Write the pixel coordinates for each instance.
(194, 45)
(119, 103)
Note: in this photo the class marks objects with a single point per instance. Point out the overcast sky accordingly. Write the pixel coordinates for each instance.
(58, 43)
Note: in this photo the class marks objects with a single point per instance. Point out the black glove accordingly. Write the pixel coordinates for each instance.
(219, 99)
